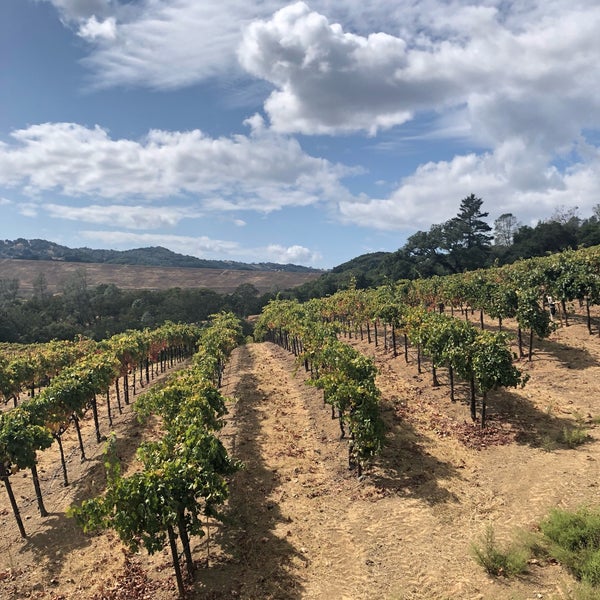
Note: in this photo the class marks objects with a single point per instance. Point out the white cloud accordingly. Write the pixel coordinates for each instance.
(130, 217)
(93, 29)
(205, 247)
(331, 81)
(519, 79)
(5, 201)
(511, 179)
(291, 254)
(170, 44)
(28, 210)
(201, 246)
(328, 81)
(261, 172)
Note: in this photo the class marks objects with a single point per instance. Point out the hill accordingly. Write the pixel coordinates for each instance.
(223, 281)
(156, 256)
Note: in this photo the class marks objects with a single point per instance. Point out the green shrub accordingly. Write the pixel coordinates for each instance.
(574, 436)
(496, 561)
(590, 570)
(575, 541)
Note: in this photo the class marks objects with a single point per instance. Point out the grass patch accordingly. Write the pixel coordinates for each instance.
(574, 540)
(571, 538)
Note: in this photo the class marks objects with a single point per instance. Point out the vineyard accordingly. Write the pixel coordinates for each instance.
(368, 443)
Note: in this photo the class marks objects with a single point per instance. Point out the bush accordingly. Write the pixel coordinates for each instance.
(590, 570)
(575, 436)
(575, 541)
(495, 561)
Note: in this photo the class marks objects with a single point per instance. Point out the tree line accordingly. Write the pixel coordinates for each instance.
(101, 311)
(465, 242)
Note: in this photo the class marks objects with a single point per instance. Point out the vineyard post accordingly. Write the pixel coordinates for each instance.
(75, 419)
(110, 421)
(126, 385)
(63, 462)
(118, 393)
(11, 496)
(38, 491)
(563, 305)
(185, 542)
(175, 559)
(473, 398)
(483, 408)
(94, 406)
(520, 341)
(530, 352)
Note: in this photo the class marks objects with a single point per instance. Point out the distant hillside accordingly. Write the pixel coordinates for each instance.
(56, 274)
(155, 256)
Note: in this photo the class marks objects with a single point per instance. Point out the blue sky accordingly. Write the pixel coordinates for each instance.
(291, 132)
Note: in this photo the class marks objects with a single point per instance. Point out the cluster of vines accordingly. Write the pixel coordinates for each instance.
(183, 475)
(482, 358)
(525, 291)
(25, 367)
(35, 424)
(521, 290)
(346, 377)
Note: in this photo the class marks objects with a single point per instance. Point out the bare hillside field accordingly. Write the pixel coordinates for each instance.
(149, 278)
(301, 526)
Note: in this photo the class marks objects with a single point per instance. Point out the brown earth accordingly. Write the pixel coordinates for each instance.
(148, 278)
(301, 526)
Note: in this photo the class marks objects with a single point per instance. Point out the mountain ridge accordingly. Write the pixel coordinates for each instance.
(157, 256)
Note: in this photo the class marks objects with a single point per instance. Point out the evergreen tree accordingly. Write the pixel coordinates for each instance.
(468, 229)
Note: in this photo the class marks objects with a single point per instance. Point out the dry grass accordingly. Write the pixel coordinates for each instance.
(150, 278)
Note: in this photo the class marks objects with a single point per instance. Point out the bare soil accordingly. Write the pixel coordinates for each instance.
(300, 525)
(137, 277)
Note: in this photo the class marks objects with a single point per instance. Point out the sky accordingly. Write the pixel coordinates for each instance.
(306, 133)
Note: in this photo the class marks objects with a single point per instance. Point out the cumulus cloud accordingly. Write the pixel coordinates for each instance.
(511, 179)
(328, 80)
(92, 29)
(291, 254)
(517, 81)
(261, 172)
